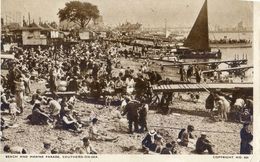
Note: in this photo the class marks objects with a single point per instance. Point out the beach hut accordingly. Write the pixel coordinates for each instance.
(86, 34)
(35, 34)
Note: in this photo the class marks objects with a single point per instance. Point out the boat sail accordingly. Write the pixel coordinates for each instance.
(197, 42)
(198, 38)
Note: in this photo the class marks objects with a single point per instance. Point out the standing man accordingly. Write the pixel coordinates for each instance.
(143, 117)
(53, 80)
(198, 74)
(131, 109)
(246, 137)
(189, 73)
(19, 91)
(181, 73)
(210, 102)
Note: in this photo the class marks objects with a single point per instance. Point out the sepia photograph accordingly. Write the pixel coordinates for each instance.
(131, 77)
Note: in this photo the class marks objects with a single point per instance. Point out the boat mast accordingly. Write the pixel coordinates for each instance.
(165, 28)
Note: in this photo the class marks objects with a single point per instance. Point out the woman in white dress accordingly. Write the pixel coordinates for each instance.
(130, 83)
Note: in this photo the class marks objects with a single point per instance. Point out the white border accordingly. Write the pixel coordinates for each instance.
(194, 158)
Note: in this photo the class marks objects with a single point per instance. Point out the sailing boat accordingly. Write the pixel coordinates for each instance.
(196, 46)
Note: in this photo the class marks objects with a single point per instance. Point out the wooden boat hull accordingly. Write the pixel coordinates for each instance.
(206, 55)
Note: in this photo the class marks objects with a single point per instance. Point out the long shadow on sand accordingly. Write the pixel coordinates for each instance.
(194, 112)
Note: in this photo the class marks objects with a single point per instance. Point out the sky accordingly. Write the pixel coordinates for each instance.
(150, 13)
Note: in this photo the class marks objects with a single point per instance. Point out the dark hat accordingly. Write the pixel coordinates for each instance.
(38, 91)
(6, 148)
(173, 142)
(85, 139)
(54, 151)
(46, 142)
(203, 134)
(190, 127)
(246, 124)
(169, 145)
(94, 120)
(8, 91)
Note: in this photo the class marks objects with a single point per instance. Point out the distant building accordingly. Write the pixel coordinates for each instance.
(11, 33)
(35, 34)
(86, 34)
(53, 33)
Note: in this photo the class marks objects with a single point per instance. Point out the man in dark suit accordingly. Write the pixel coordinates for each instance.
(131, 110)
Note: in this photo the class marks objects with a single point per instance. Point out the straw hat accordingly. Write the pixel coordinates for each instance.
(152, 132)
(203, 134)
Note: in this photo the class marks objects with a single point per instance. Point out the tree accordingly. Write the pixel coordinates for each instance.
(78, 12)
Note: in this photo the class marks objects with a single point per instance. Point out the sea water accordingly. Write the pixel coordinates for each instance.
(233, 53)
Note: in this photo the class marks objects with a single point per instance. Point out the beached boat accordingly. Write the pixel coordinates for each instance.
(196, 46)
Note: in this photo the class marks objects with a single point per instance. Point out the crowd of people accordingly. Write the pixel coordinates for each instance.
(154, 142)
(238, 108)
(92, 70)
(188, 71)
(230, 41)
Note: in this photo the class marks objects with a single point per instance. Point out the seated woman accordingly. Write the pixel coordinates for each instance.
(84, 89)
(35, 96)
(14, 149)
(159, 142)
(73, 85)
(3, 124)
(95, 89)
(39, 116)
(69, 122)
(95, 134)
(13, 110)
(185, 136)
(119, 87)
(5, 100)
(110, 89)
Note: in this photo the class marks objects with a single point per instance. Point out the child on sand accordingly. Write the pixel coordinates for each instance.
(13, 110)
